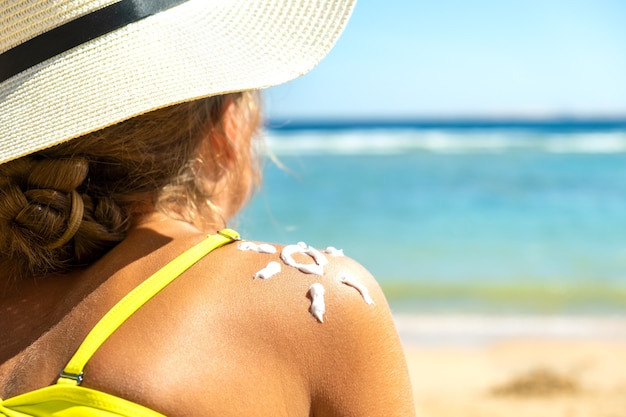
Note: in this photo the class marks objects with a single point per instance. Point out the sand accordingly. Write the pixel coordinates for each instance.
(516, 366)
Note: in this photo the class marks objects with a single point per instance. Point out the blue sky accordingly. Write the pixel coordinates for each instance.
(455, 58)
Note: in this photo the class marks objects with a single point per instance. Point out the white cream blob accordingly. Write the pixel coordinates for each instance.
(256, 247)
(318, 305)
(317, 256)
(319, 259)
(354, 283)
(332, 251)
(316, 290)
(269, 271)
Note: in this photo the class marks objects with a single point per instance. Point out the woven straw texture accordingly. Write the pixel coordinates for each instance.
(196, 49)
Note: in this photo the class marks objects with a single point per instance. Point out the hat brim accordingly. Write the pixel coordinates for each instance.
(197, 49)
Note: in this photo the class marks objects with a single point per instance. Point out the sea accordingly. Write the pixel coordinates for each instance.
(457, 216)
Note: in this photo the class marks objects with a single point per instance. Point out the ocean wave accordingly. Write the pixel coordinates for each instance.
(389, 142)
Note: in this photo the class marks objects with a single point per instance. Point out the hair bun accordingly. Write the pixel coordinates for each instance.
(63, 175)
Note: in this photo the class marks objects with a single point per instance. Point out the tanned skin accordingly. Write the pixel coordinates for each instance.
(216, 341)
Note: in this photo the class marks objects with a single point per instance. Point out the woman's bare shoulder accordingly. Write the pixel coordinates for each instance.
(325, 313)
(304, 296)
(277, 313)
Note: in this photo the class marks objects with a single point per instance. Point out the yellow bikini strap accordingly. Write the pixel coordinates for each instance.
(73, 372)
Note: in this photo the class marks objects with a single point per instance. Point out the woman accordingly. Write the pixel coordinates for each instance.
(127, 133)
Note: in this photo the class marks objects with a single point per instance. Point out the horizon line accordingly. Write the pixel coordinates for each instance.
(449, 122)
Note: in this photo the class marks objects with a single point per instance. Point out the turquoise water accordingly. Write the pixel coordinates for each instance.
(491, 219)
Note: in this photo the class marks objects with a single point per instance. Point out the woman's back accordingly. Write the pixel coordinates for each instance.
(216, 341)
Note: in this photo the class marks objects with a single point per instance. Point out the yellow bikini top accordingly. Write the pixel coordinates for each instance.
(67, 398)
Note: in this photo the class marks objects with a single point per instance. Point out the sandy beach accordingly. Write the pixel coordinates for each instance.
(474, 366)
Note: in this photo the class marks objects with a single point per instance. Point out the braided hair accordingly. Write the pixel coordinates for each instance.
(64, 207)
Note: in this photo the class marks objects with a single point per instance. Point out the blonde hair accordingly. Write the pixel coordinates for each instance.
(64, 207)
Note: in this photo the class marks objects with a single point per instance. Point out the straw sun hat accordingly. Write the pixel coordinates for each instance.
(69, 67)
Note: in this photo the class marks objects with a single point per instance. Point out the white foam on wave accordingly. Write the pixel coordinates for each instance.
(391, 142)
(353, 142)
(587, 143)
